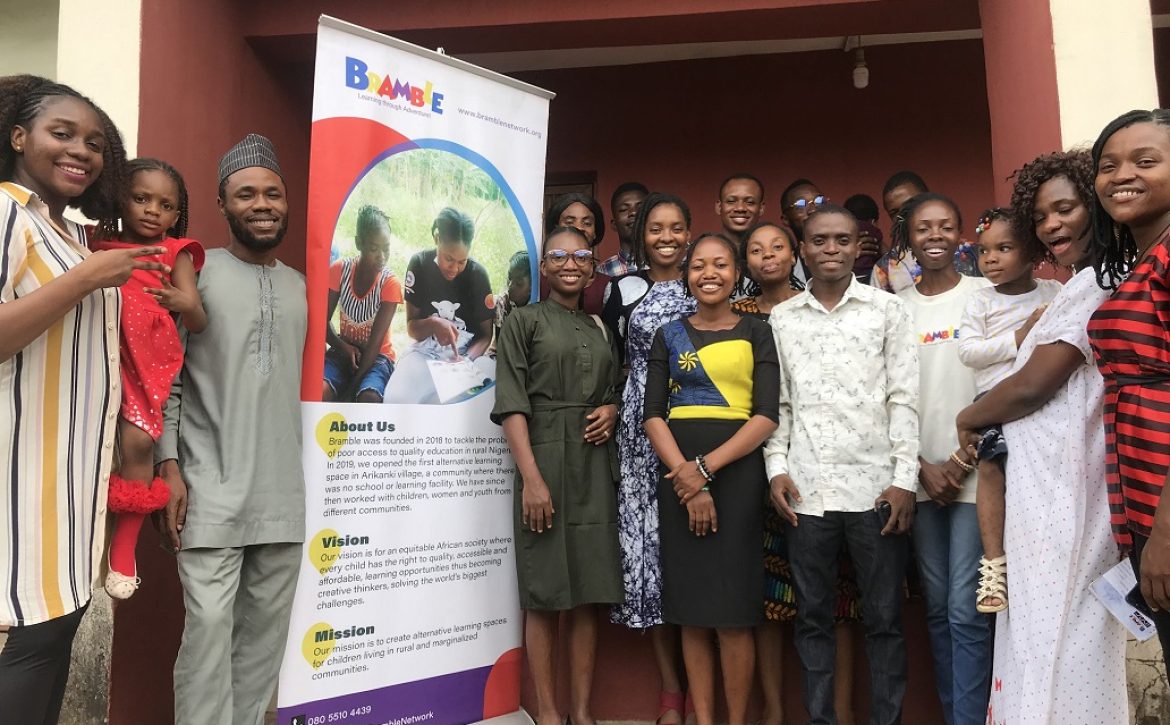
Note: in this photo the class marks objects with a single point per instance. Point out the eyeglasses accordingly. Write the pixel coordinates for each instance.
(805, 203)
(558, 257)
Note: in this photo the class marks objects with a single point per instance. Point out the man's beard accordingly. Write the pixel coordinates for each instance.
(244, 235)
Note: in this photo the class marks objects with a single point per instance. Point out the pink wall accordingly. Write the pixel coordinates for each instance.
(684, 126)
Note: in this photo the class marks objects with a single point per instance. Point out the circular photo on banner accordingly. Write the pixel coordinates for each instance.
(430, 253)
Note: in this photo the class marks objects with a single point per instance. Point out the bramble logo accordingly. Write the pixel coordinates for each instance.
(359, 77)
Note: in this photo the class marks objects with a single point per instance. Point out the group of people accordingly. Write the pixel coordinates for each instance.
(717, 433)
(713, 435)
(132, 386)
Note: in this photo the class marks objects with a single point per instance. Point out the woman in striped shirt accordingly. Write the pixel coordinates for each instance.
(59, 378)
(1130, 333)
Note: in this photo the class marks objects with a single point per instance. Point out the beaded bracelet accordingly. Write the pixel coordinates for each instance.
(703, 470)
(961, 463)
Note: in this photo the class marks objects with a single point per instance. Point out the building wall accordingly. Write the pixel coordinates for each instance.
(684, 126)
(28, 36)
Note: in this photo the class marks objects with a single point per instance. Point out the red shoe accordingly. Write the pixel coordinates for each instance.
(670, 702)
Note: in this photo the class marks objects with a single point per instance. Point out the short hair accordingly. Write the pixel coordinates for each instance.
(1076, 166)
(624, 188)
(558, 230)
(830, 208)
(793, 187)
(900, 232)
(519, 263)
(690, 253)
(862, 206)
(1114, 244)
(655, 198)
(22, 98)
(369, 218)
(904, 178)
(552, 219)
(454, 225)
(745, 176)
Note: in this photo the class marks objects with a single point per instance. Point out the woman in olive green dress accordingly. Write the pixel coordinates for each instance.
(555, 390)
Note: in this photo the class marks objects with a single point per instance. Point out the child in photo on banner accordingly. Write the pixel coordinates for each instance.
(154, 213)
(995, 323)
(555, 397)
(360, 359)
(518, 293)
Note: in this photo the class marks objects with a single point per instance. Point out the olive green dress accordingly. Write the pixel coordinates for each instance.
(555, 366)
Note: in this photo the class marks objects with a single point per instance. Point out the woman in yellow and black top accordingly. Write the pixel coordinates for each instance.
(712, 392)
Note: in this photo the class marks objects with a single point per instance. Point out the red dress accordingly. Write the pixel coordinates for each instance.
(1130, 333)
(151, 351)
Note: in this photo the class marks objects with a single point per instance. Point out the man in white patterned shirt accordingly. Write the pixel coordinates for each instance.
(843, 461)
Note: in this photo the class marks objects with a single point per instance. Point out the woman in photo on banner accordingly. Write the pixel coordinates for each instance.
(448, 315)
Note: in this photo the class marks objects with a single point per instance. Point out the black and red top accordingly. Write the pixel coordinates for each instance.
(1130, 334)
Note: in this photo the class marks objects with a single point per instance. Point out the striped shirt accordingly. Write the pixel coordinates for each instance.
(357, 312)
(60, 396)
(1130, 333)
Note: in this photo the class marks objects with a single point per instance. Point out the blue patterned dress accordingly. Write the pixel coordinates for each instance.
(638, 490)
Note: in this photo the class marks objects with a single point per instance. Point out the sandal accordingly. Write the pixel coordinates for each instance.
(992, 584)
(689, 710)
(671, 702)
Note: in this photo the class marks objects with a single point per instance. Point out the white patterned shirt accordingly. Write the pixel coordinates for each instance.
(848, 399)
(60, 396)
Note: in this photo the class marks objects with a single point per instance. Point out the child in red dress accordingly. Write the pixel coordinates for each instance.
(154, 213)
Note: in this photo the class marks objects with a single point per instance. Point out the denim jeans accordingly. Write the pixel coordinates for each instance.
(948, 548)
(880, 563)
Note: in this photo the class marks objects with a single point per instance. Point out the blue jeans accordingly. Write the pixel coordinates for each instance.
(948, 548)
(880, 562)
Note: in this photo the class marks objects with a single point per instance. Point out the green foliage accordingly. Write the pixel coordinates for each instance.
(411, 187)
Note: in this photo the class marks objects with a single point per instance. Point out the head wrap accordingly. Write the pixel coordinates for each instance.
(254, 150)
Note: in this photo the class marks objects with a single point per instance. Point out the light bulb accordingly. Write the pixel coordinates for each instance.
(860, 70)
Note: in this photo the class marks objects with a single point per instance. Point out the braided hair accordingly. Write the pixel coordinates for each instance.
(1114, 244)
(1076, 166)
(369, 218)
(752, 288)
(22, 98)
(656, 198)
(900, 232)
(108, 228)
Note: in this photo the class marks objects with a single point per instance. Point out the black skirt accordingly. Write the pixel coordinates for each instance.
(716, 580)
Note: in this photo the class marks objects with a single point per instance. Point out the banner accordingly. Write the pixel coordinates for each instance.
(425, 186)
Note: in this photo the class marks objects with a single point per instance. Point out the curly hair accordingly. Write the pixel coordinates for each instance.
(1114, 244)
(22, 99)
(108, 228)
(1075, 165)
(655, 198)
(900, 232)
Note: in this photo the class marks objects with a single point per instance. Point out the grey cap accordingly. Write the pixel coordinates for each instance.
(254, 150)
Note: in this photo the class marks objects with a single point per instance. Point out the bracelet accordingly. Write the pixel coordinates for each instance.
(703, 470)
(969, 468)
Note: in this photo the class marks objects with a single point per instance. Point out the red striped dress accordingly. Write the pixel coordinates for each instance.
(1130, 333)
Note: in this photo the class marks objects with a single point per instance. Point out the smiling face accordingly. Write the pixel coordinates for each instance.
(666, 236)
(740, 205)
(152, 207)
(578, 215)
(1061, 221)
(1133, 176)
(770, 256)
(934, 235)
(830, 246)
(566, 277)
(712, 274)
(255, 207)
(1003, 259)
(59, 154)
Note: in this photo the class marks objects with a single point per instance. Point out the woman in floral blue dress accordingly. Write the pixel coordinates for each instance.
(663, 224)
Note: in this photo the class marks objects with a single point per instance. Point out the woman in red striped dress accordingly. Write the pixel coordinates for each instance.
(1130, 334)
